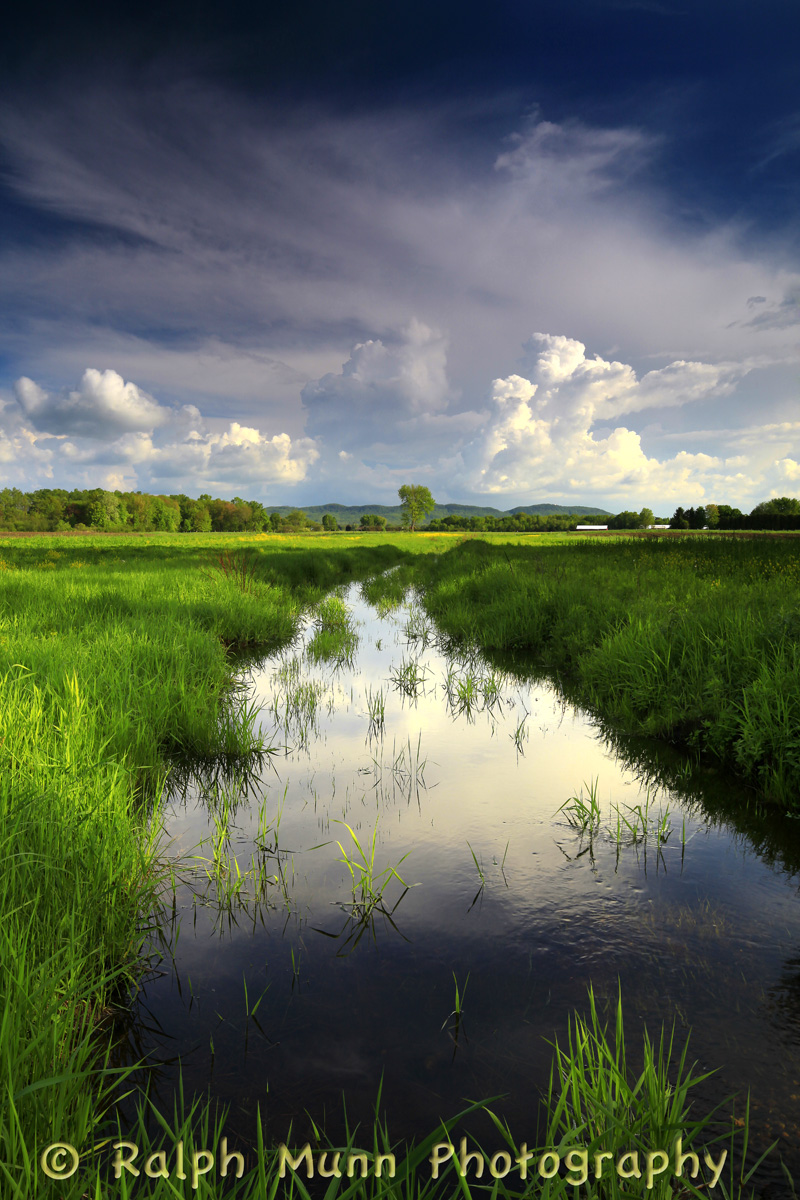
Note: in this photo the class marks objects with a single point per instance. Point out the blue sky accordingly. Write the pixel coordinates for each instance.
(517, 252)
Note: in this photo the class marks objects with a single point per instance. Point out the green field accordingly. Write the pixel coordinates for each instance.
(114, 654)
(696, 640)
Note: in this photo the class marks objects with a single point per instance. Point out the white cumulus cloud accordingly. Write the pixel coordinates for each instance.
(239, 457)
(108, 423)
(102, 405)
(544, 436)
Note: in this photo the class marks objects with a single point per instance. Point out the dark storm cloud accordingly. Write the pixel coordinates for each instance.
(213, 212)
(331, 240)
(203, 216)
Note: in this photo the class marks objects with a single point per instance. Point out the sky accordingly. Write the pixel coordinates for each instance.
(517, 252)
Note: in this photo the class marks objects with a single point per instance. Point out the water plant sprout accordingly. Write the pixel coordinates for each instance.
(368, 884)
(472, 688)
(634, 824)
(376, 707)
(335, 639)
(583, 811)
(409, 677)
(456, 1015)
(406, 765)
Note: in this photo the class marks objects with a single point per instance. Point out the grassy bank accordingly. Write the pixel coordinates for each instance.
(694, 640)
(112, 656)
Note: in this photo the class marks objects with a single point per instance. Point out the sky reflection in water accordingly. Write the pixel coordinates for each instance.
(706, 933)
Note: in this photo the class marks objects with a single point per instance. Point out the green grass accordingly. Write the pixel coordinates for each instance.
(606, 1097)
(693, 640)
(368, 883)
(114, 656)
(583, 812)
(599, 1101)
(335, 639)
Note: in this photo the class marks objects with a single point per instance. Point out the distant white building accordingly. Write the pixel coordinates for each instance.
(658, 526)
(589, 528)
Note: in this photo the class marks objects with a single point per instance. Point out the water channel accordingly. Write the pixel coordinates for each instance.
(275, 994)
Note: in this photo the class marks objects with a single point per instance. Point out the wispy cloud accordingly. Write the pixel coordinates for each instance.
(318, 284)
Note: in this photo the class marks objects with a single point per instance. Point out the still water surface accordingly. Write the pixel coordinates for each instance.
(504, 897)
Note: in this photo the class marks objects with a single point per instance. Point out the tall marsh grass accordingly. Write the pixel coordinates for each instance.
(335, 639)
(113, 657)
(696, 640)
(608, 1100)
(598, 1100)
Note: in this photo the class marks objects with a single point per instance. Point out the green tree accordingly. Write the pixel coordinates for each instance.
(624, 520)
(260, 517)
(417, 502)
(329, 522)
(201, 519)
(165, 514)
(295, 519)
(779, 506)
(105, 511)
(49, 504)
(140, 508)
(373, 521)
(727, 517)
(646, 518)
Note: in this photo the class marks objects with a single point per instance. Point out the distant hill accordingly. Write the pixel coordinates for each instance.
(547, 510)
(351, 514)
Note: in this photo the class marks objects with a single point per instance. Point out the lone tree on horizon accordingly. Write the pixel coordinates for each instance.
(416, 501)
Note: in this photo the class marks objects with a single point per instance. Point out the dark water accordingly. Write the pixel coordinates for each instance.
(702, 930)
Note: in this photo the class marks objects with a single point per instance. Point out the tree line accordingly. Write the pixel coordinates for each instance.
(783, 512)
(49, 510)
(540, 522)
(56, 510)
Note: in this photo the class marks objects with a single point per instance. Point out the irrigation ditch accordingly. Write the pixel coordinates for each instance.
(408, 893)
(390, 874)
